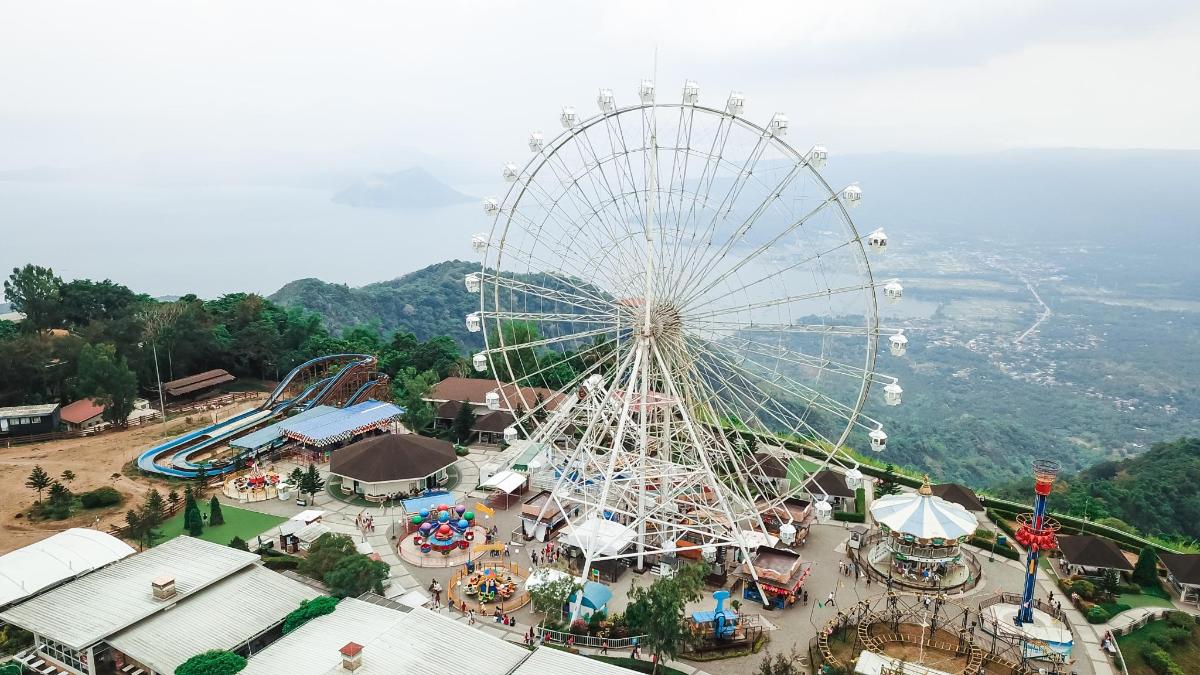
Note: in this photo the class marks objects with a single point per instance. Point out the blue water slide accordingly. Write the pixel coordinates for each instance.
(223, 432)
(341, 374)
(361, 390)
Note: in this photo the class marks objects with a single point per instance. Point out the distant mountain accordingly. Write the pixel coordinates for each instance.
(429, 302)
(411, 188)
(1157, 492)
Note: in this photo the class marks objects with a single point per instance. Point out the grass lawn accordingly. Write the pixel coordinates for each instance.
(799, 469)
(1186, 654)
(238, 523)
(1142, 600)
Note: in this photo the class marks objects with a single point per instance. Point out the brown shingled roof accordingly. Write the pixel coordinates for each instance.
(1185, 567)
(475, 391)
(390, 457)
(959, 494)
(191, 383)
(1088, 550)
(494, 422)
(833, 483)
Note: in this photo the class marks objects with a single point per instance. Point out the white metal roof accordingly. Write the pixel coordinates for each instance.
(308, 516)
(393, 642)
(221, 616)
(27, 410)
(547, 661)
(310, 533)
(608, 537)
(55, 559)
(507, 482)
(108, 600)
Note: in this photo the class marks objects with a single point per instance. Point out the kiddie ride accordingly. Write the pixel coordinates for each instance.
(444, 529)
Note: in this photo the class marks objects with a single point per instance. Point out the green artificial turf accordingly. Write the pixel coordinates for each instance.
(238, 523)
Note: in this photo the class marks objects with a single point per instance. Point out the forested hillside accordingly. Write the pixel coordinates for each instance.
(1158, 492)
(427, 303)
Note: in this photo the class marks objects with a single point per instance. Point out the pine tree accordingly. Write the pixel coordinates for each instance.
(464, 422)
(312, 483)
(201, 478)
(539, 410)
(215, 517)
(239, 543)
(1145, 573)
(194, 522)
(152, 515)
(38, 480)
(887, 485)
(173, 499)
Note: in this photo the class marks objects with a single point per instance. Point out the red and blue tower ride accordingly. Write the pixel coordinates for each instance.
(1036, 533)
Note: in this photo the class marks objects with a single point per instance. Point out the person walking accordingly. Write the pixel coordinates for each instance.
(634, 653)
(829, 600)
(604, 646)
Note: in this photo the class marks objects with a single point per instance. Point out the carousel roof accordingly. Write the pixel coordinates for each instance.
(923, 515)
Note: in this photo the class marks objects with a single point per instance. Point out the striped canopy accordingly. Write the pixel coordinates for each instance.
(923, 516)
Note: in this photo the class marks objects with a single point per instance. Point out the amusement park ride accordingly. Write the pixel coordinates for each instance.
(697, 294)
(696, 273)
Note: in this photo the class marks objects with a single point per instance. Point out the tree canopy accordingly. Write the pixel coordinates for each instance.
(213, 662)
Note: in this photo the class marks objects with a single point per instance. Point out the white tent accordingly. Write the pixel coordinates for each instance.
(507, 482)
(607, 537)
(543, 575)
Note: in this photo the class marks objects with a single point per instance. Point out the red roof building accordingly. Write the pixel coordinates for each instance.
(83, 414)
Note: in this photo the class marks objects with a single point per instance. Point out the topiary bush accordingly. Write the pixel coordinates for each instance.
(1159, 660)
(308, 610)
(1084, 589)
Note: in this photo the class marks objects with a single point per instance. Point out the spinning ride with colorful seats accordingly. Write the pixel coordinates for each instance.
(444, 528)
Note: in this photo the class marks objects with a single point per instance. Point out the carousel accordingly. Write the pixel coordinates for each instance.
(256, 484)
(919, 542)
(489, 587)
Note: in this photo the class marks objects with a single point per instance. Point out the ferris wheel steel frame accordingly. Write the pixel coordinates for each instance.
(652, 452)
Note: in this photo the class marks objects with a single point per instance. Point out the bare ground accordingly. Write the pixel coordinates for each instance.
(97, 461)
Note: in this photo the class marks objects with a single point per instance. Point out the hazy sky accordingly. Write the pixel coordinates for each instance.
(213, 86)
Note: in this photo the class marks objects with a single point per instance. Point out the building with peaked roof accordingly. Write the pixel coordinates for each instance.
(382, 466)
(490, 427)
(1183, 573)
(28, 420)
(194, 385)
(56, 559)
(831, 484)
(371, 637)
(475, 392)
(1089, 555)
(82, 414)
(153, 610)
(958, 494)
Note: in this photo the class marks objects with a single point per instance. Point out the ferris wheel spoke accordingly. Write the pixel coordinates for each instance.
(711, 262)
(572, 337)
(583, 300)
(786, 300)
(736, 328)
(564, 258)
(799, 358)
(740, 290)
(792, 227)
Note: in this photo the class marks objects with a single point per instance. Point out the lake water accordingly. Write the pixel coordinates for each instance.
(211, 240)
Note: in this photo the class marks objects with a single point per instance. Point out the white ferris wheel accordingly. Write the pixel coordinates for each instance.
(670, 291)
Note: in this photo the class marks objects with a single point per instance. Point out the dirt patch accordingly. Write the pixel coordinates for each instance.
(97, 461)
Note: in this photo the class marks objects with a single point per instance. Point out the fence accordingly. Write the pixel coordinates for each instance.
(81, 433)
(862, 556)
(213, 403)
(594, 641)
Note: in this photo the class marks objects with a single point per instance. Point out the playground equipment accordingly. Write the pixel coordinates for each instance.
(723, 622)
(311, 383)
(443, 529)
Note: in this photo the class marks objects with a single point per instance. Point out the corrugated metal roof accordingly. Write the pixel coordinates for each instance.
(255, 597)
(108, 600)
(393, 642)
(273, 432)
(547, 661)
(26, 410)
(340, 425)
(54, 559)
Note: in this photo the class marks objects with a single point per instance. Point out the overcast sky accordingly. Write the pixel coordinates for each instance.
(263, 84)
